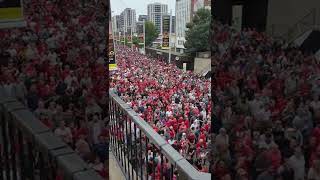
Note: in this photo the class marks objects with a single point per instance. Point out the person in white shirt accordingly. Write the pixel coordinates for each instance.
(254, 106)
(315, 104)
(8, 89)
(171, 141)
(169, 113)
(30, 52)
(222, 139)
(204, 114)
(96, 128)
(70, 78)
(64, 133)
(53, 57)
(297, 163)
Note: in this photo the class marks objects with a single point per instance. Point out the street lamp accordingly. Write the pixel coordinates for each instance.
(170, 29)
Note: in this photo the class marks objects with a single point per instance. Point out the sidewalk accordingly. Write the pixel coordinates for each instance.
(115, 172)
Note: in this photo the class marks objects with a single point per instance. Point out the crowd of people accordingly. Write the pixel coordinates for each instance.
(55, 66)
(266, 108)
(176, 104)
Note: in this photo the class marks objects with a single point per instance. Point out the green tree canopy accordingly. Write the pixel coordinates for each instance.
(197, 35)
(151, 33)
(135, 41)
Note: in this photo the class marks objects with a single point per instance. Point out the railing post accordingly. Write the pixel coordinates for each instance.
(21, 155)
(13, 148)
(5, 145)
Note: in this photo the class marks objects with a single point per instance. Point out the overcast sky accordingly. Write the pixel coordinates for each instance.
(139, 5)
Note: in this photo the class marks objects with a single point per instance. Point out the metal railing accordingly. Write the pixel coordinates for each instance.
(29, 150)
(141, 152)
(306, 23)
(289, 34)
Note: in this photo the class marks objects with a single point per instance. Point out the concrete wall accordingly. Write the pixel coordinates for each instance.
(283, 14)
(202, 64)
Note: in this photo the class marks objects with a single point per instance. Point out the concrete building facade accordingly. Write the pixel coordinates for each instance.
(198, 4)
(155, 13)
(128, 20)
(139, 27)
(183, 16)
(116, 24)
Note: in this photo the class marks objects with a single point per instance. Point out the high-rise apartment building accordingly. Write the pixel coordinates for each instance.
(139, 24)
(128, 20)
(142, 18)
(155, 13)
(116, 23)
(139, 27)
(173, 19)
(183, 16)
(173, 28)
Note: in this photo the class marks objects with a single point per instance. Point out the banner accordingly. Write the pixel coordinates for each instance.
(165, 31)
(11, 14)
(165, 41)
(129, 39)
(141, 39)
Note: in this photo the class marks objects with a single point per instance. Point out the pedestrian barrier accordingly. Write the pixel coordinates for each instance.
(141, 152)
(29, 150)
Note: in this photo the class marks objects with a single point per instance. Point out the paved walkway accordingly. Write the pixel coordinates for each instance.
(115, 172)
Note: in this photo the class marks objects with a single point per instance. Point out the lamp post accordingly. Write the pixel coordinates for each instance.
(170, 37)
(144, 36)
(131, 36)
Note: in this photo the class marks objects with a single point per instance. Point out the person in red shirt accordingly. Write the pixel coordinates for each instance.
(191, 137)
(201, 144)
(315, 155)
(172, 133)
(221, 171)
(183, 128)
(43, 89)
(316, 133)
(66, 72)
(274, 155)
(46, 121)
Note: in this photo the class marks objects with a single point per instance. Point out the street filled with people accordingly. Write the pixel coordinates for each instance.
(55, 66)
(265, 108)
(176, 104)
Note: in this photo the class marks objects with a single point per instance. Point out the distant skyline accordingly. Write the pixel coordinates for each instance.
(117, 6)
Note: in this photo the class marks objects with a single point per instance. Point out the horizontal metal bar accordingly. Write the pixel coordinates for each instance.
(154, 137)
(72, 164)
(86, 175)
(48, 141)
(28, 123)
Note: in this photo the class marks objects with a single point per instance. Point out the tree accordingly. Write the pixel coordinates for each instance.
(197, 35)
(151, 33)
(126, 42)
(136, 40)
